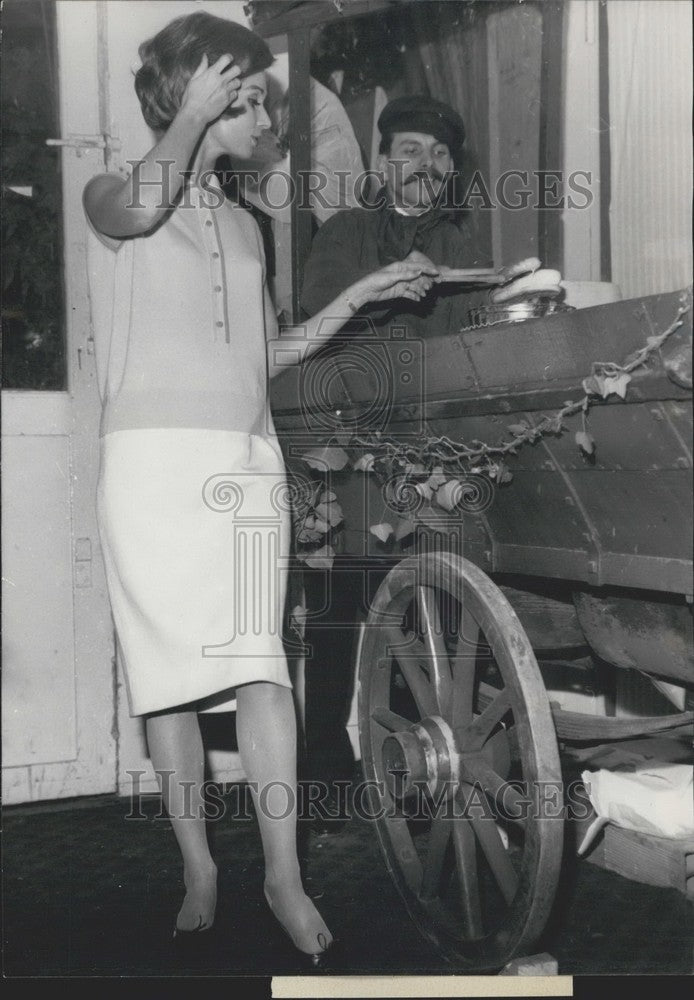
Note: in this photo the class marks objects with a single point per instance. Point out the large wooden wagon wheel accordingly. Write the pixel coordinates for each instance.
(461, 760)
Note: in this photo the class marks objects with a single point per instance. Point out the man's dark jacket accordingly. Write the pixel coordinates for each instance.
(358, 241)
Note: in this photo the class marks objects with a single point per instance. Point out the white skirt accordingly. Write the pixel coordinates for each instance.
(195, 531)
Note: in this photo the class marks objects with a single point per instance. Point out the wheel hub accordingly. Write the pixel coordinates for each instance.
(423, 755)
(428, 754)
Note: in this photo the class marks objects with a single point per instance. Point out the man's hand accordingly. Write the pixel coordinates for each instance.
(543, 283)
(529, 265)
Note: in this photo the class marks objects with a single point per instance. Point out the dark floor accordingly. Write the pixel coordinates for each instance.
(88, 892)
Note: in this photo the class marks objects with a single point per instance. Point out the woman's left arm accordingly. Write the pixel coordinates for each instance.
(401, 280)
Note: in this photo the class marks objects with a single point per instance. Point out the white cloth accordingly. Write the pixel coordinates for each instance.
(655, 799)
(194, 528)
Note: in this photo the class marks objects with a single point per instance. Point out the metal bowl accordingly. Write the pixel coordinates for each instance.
(515, 312)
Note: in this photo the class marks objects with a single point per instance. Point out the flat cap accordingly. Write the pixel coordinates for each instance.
(419, 113)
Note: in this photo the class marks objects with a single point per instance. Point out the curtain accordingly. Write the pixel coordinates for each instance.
(650, 69)
(453, 58)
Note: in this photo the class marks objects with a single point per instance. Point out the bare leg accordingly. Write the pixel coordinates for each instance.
(175, 745)
(266, 731)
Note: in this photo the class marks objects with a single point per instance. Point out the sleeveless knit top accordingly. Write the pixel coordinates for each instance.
(180, 320)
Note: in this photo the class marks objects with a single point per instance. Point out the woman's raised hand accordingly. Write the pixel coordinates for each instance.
(211, 89)
(403, 279)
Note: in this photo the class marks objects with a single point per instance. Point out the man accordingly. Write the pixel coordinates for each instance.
(420, 152)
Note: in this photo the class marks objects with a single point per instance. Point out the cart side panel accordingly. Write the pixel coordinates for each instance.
(622, 517)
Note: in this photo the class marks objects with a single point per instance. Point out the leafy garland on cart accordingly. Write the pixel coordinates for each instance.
(429, 472)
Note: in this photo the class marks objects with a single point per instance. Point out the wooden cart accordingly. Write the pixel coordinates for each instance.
(575, 558)
(575, 555)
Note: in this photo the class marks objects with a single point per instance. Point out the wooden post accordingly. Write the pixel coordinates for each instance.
(605, 152)
(550, 242)
(300, 155)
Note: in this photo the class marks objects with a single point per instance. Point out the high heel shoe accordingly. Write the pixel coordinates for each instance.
(317, 960)
(321, 959)
(184, 937)
(187, 935)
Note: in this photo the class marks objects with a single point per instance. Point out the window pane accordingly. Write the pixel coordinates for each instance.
(33, 311)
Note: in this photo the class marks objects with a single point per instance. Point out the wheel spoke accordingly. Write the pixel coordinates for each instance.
(422, 691)
(497, 857)
(463, 669)
(486, 693)
(408, 859)
(391, 721)
(433, 866)
(466, 864)
(479, 731)
(476, 770)
(437, 655)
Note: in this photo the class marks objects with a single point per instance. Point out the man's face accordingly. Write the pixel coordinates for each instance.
(416, 168)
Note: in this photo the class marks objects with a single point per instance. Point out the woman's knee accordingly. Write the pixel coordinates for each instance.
(263, 693)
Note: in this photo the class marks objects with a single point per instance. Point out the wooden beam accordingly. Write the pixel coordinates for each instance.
(605, 145)
(300, 155)
(550, 236)
(514, 74)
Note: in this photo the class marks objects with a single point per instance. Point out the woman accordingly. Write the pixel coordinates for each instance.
(183, 366)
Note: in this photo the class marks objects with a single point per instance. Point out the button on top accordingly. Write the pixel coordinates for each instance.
(219, 323)
(208, 223)
(215, 254)
(217, 288)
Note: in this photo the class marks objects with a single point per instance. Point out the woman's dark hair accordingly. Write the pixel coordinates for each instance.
(172, 56)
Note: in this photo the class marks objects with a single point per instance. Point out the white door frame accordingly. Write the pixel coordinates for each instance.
(60, 732)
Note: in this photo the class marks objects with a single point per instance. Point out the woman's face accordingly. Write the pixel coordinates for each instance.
(238, 135)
